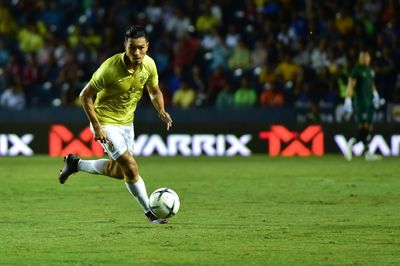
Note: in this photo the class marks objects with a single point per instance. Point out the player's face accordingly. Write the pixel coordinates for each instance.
(365, 58)
(136, 49)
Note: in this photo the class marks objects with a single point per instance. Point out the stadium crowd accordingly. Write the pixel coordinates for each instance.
(209, 53)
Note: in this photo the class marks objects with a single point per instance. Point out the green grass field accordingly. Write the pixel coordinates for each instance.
(234, 211)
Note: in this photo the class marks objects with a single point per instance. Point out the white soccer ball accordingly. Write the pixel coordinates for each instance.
(164, 202)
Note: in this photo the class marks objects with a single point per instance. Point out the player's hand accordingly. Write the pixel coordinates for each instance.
(100, 135)
(376, 101)
(348, 107)
(166, 118)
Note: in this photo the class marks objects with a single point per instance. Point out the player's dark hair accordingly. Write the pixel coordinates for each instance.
(134, 32)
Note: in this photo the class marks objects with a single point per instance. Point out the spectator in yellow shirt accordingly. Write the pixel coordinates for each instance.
(185, 96)
(344, 22)
(30, 41)
(7, 21)
(240, 57)
(206, 21)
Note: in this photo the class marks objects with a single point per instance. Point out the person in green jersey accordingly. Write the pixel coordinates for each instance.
(109, 100)
(362, 89)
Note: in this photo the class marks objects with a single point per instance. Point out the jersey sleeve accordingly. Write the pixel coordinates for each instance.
(153, 78)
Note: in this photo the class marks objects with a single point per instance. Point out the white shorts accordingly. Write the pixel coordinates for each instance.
(120, 140)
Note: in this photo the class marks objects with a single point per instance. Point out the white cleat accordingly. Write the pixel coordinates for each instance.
(372, 157)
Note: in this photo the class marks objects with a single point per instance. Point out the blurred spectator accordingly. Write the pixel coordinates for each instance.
(259, 55)
(246, 95)
(13, 98)
(184, 51)
(289, 77)
(344, 22)
(4, 54)
(178, 24)
(206, 21)
(30, 41)
(184, 97)
(173, 81)
(70, 71)
(52, 15)
(29, 72)
(92, 39)
(216, 83)
(271, 96)
(287, 36)
(232, 37)
(220, 54)
(240, 57)
(13, 67)
(319, 56)
(267, 76)
(210, 39)
(8, 24)
(153, 12)
(226, 97)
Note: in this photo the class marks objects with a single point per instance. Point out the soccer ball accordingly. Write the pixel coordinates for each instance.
(164, 202)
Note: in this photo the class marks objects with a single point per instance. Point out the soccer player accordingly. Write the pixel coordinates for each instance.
(362, 89)
(117, 86)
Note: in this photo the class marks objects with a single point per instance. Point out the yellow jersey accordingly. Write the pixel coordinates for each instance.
(118, 90)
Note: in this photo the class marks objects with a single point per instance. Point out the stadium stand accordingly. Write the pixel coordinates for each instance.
(290, 52)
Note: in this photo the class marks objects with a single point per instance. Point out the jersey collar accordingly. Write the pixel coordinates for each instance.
(123, 61)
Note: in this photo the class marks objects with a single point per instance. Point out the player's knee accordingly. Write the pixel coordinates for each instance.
(131, 171)
(131, 178)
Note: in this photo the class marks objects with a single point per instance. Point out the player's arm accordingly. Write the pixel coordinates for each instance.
(350, 87)
(349, 94)
(86, 96)
(374, 89)
(157, 100)
(376, 100)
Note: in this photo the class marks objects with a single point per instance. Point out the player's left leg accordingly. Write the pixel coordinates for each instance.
(368, 154)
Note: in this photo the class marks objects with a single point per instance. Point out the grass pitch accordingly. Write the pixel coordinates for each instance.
(234, 211)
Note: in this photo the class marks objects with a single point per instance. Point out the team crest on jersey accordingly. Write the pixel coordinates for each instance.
(110, 146)
(142, 79)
